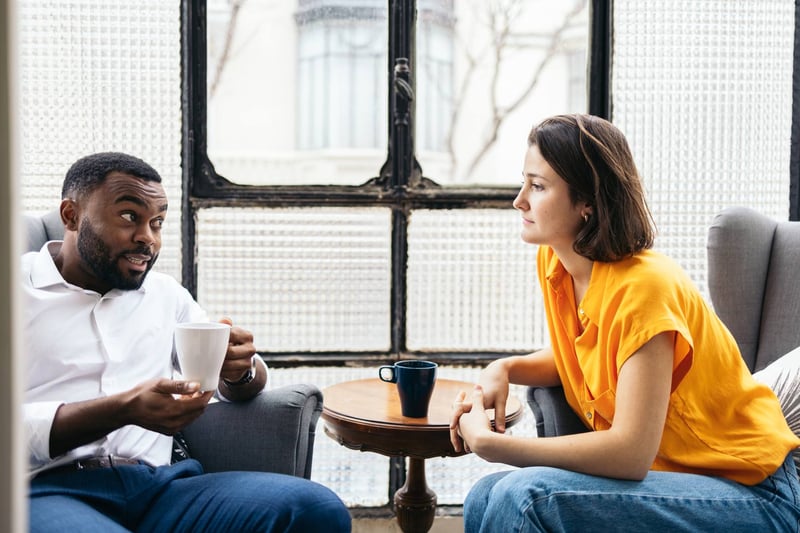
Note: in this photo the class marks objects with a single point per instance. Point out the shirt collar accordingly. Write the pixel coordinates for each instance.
(45, 273)
(592, 300)
(555, 272)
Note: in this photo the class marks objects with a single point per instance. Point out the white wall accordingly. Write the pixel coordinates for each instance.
(13, 517)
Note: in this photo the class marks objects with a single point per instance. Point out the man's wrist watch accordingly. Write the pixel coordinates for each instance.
(248, 376)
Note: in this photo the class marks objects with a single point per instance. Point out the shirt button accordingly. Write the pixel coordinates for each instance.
(589, 415)
(580, 310)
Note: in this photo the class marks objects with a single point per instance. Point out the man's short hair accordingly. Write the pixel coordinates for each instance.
(90, 171)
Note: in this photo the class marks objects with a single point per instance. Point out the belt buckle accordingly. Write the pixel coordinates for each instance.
(114, 460)
(92, 463)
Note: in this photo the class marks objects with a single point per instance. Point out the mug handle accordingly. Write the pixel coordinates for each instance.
(387, 370)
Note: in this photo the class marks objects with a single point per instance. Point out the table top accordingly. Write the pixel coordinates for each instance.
(365, 414)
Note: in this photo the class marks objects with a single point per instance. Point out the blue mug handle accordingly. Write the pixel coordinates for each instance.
(387, 370)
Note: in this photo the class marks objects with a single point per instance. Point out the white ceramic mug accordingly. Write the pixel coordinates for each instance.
(201, 348)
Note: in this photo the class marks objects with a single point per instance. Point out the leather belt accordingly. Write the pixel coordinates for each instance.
(93, 463)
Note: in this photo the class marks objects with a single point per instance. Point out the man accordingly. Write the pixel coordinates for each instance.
(101, 404)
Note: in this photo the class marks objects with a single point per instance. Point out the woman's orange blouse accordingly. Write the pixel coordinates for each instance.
(720, 421)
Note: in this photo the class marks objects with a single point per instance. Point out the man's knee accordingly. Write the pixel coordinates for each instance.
(52, 514)
(325, 512)
(304, 505)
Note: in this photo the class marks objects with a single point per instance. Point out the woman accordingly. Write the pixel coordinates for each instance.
(684, 439)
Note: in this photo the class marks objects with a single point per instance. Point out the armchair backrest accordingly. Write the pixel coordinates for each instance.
(40, 229)
(753, 281)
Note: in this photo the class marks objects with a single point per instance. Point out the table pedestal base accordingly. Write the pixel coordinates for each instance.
(415, 502)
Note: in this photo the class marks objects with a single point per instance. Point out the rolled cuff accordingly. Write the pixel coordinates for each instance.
(38, 420)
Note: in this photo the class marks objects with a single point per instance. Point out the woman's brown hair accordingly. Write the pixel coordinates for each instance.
(594, 158)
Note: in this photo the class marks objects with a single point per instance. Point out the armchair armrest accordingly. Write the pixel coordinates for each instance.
(553, 414)
(273, 432)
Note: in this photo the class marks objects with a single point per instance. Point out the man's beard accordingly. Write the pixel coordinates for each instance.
(97, 257)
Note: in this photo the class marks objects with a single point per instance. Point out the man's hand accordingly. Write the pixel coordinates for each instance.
(238, 358)
(167, 406)
(161, 405)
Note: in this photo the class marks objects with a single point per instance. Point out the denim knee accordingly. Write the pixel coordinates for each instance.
(513, 501)
(477, 501)
(321, 506)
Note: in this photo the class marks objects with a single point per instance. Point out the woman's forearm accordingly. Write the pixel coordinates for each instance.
(536, 369)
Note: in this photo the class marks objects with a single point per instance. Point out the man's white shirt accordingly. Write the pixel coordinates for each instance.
(80, 345)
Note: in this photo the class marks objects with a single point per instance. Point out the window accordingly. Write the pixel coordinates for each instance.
(704, 114)
(351, 173)
(390, 234)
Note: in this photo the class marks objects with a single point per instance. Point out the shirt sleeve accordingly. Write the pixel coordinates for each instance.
(38, 420)
(656, 302)
(189, 310)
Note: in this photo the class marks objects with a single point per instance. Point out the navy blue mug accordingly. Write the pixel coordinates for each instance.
(415, 381)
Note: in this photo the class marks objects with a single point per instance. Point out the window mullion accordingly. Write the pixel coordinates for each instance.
(600, 58)
(402, 17)
(193, 109)
(794, 154)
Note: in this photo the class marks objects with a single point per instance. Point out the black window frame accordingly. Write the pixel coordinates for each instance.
(794, 158)
(399, 184)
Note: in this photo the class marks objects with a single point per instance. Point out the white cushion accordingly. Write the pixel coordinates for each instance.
(783, 377)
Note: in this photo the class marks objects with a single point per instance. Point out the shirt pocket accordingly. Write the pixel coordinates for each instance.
(599, 412)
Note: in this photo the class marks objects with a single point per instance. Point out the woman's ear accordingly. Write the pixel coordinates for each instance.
(587, 211)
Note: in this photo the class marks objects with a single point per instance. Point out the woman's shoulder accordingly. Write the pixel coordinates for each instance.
(647, 268)
(647, 261)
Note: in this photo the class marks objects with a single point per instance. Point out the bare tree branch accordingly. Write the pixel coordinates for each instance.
(499, 114)
(458, 99)
(473, 61)
(236, 5)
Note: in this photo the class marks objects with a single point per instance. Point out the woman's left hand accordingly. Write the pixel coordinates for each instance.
(470, 421)
(460, 406)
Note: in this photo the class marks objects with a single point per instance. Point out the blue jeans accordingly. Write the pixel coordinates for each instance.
(551, 499)
(181, 498)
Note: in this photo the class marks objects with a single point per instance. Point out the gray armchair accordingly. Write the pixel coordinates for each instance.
(752, 280)
(274, 432)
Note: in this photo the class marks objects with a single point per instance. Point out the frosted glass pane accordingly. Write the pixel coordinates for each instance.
(312, 279)
(362, 478)
(472, 282)
(703, 90)
(95, 76)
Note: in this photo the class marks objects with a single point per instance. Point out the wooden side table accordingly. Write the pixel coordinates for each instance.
(365, 415)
